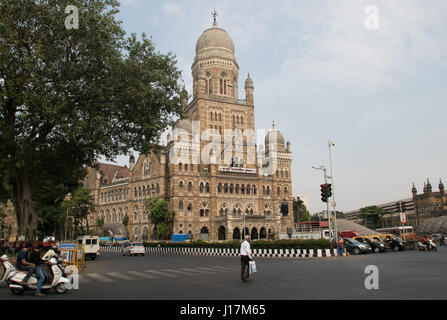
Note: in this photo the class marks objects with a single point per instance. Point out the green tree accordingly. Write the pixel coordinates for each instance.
(371, 216)
(161, 216)
(125, 220)
(79, 206)
(69, 96)
(300, 212)
(100, 222)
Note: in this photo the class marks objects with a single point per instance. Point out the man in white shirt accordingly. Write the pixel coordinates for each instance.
(245, 258)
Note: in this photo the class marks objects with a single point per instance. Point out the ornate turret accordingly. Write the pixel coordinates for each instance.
(249, 91)
(428, 187)
(414, 191)
(441, 186)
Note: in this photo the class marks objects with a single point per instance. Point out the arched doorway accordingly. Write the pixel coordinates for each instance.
(236, 234)
(262, 233)
(221, 233)
(245, 232)
(254, 234)
(204, 235)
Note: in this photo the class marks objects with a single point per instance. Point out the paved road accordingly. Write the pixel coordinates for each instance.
(402, 275)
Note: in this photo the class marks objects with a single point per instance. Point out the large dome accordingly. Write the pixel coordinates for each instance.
(214, 42)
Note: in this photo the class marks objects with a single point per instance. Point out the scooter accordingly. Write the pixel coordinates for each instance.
(433, 246)
(421, 247)
(10, 270)
(59, 282)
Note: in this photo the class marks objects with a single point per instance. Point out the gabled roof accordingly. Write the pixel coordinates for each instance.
(112, 171)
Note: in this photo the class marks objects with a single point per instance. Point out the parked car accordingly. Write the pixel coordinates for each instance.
(355, 247)
(133, 248)
(394, 242)
(377, 246)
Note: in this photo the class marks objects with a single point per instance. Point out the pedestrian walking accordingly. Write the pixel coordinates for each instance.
(340, 245)
(245, 258)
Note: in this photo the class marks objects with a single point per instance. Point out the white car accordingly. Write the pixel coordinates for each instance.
(133, 248)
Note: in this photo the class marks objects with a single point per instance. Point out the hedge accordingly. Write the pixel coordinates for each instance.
(258, 244)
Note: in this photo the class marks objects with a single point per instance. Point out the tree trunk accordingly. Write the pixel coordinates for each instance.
(21, 197)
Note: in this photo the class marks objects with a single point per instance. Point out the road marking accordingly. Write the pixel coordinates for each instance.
(208, 269)
(82, 279)
(99, 277)
(199, 271)
(180, 272)
(226, 268)
(142, 275)
(164, 274)
(120, 276)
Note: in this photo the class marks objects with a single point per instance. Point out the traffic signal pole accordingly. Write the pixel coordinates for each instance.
(331, 144)
(324, 191)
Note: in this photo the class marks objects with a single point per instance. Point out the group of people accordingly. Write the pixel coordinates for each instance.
(29, 259)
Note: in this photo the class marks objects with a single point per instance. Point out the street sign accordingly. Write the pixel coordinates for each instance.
(403, 218)
(66, 245)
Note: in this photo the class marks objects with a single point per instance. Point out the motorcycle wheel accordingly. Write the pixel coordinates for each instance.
(376, 250)
(61, 288)
(17, 291)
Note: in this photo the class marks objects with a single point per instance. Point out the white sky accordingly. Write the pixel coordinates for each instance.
(321, 75)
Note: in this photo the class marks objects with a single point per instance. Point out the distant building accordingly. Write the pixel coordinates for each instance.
(8, 225)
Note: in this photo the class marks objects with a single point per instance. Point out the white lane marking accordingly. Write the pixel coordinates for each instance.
(82, 279)
(99, 277)
(141, 274)
(225, 268)
(180, 272)
(164, 274)
(120, 276)
(199, 271)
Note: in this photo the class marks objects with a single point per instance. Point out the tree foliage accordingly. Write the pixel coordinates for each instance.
(300, 212)
(161, 216)
(79, 206)
(69, 96)
(371, 215)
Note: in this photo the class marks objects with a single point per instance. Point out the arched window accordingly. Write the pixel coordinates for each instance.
(180, 166)
(226, 188)
(158, 188)
(211, 115)
(220, 117)
(201, 187)
(287, 174)
(189, 207)
(248, 189)
(242, 189)
(278, 191)
(221, 86)
(180, 185)
(267, 190)
(219, 188)
(286, 191)
(186, 167)
(221, 212)
(207, 187)
(189, 186)
(180, 205)
(231, 188)
(237, 189)
(210, 86)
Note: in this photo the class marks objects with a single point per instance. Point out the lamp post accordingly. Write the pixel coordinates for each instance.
(331, 144)
(323, 168)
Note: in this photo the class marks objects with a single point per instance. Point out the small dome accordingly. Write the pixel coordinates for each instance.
(274, 136)
(214, 41)
(249, 82)
(184, 124)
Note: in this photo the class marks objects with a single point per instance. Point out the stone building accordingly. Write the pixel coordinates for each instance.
(429, 204)
(216, 187)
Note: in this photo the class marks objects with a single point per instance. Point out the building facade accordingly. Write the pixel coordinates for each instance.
(216, 186)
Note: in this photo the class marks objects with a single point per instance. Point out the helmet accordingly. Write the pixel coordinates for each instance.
(4, 257)
(54, 247)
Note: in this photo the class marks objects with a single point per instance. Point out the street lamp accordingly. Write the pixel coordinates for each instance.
(331, 144)
(323, 168)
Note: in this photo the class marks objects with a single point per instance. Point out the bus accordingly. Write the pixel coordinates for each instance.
(405, 232)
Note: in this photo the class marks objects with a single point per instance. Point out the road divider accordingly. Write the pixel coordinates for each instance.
(273, 253)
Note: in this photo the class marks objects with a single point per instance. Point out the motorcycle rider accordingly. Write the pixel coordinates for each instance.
(23, 265)
(35, 258)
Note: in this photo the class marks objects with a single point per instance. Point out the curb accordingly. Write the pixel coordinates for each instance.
(269, 253)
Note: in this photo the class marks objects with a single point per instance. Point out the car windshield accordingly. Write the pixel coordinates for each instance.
(352, 241)
(137, 244)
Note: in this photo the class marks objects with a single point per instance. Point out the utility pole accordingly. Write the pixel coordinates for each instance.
(327, 203)
(331, 144)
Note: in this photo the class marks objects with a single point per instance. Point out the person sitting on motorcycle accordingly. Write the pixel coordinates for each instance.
(23, 265)
(35, 258)
(426, 242)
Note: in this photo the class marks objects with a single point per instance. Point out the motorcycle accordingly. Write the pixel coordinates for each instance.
(433, 246)
(9, 270)
(59, 282)
(421, 247)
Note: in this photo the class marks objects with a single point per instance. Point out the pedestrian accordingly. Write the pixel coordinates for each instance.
(442, 241)
(340, 245)
(35, 258)
(245, 258)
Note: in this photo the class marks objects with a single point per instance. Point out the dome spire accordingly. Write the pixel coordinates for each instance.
(214, 14)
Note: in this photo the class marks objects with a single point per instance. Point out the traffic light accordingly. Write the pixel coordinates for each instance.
(403, 207)
(329, 190)
(397, 207)
(323, 193)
